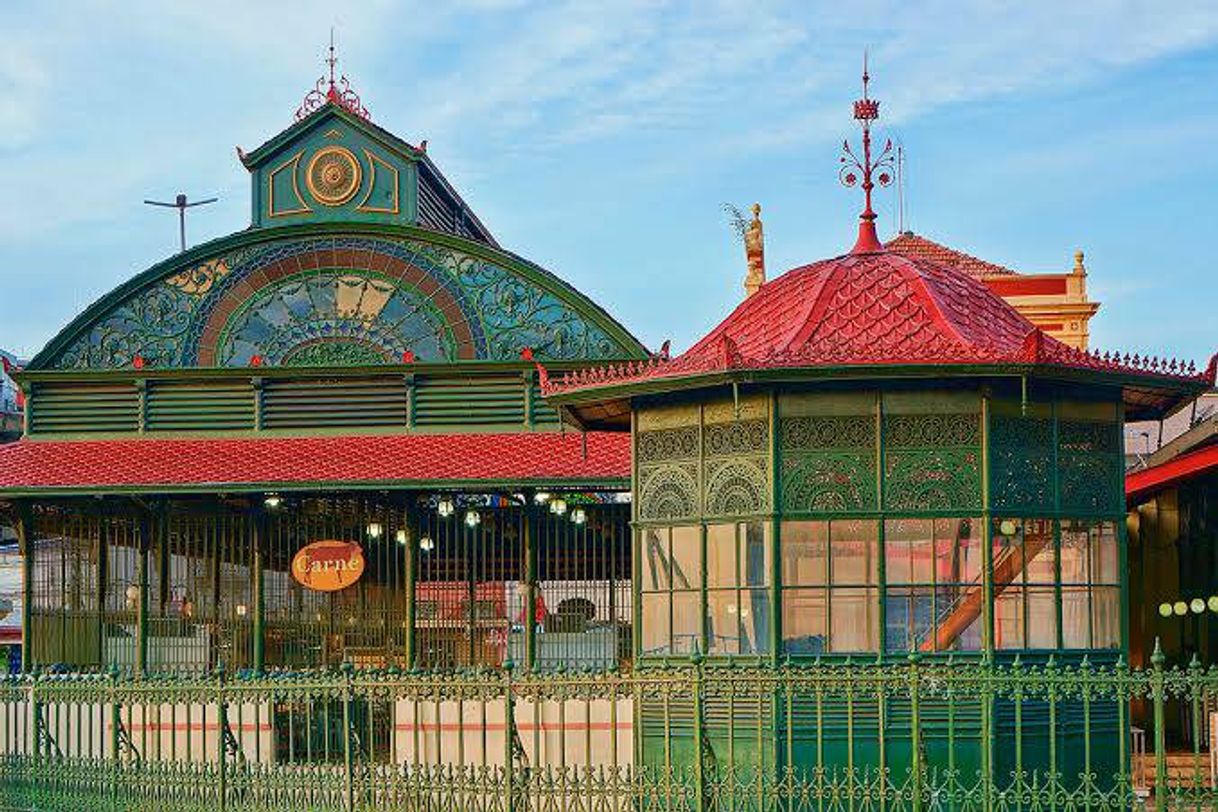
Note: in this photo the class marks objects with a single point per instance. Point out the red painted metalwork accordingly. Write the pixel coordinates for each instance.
(343, 461)
(332, 91)
(1141, 484)
(869, 309)
(866, 110)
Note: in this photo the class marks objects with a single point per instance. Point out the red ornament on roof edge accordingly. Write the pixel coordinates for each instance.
(332, 91)
(868, 171)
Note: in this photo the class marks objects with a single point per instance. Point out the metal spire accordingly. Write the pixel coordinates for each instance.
(868, 170)
(333, 88)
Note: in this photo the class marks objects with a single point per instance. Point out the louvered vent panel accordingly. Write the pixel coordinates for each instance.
(84, 408)
(543, 413)
(199, 407)
(467, 401)
(356, 403)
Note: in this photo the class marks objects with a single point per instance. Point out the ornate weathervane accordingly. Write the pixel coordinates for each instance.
(869, 170)
(333, 90)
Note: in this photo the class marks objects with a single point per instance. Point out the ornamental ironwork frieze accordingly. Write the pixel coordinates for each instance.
(932, 479)
(737, 486)
(668, 491)
(380, 298)
(831, 482)
(816, 433)
(667, 444)
(742, 437)
(1021, 463)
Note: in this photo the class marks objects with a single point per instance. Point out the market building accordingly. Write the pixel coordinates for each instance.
(356, 509)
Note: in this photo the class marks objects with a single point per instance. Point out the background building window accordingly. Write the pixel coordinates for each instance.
(830, 597)
(934, 596)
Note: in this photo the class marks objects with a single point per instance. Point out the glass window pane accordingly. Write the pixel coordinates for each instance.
(655, 559)
(755, 554)
(854, 555)
(958, 551)
(1040, 558)
(958, 610)
(656, 629)
(908, 551)
(1076, 552)
(1105, 617)
(755, 621)
(910, 617)
(1105, 554)
(854, 620)
(687, 557)
(686, 623)
(1008, 617)
(805, 547)
(721, 555)
(803, 621)
(1042, 618)
(1076, 612)
(723, 622)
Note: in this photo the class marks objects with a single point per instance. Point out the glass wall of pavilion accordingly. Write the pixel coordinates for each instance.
(450, 579)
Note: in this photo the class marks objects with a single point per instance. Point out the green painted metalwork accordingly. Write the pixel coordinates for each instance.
(375, 293)
(909, 735)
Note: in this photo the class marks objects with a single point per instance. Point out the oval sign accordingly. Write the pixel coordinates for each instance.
(328, 566)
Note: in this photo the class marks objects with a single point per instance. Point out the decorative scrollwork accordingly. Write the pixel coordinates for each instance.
(737, 487)
(828, 483)
(667, 444)
(816, 433)
(668, 491)
(933, 479)
(742, 437)
(930, 430)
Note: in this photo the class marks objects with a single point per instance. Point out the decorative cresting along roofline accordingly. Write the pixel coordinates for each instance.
(485, 304)
(874, 311)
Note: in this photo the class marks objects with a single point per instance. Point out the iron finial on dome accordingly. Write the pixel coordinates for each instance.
(868, 171)
(332, 90)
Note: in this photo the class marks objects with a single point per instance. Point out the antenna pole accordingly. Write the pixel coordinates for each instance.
(181, 204)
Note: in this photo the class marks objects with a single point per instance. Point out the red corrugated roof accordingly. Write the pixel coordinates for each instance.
(1145, 482)
(919, 247)
(881, 308)
(285, 462)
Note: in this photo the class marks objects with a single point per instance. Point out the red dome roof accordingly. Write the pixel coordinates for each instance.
(870, 309)
(875, 308)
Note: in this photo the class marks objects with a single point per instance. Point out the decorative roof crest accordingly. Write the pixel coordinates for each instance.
(331, 90)
(868, 171)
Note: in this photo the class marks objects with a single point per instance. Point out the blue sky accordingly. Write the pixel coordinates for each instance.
(601, 140)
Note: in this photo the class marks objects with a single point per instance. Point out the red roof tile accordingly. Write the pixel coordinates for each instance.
(881, 308)
(919, 247)
(171, 463)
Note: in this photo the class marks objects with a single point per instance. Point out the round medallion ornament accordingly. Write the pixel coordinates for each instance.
(333, 176)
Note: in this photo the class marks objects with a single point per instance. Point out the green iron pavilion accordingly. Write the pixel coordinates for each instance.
(356, 509)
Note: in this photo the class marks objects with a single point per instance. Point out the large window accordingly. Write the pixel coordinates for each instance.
(1025, 584)
(737, 595)
(933, 572)
(1091, 592)
(830, 586)
(671, 563)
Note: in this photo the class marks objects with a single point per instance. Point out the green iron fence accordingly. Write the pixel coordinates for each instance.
(830, 735)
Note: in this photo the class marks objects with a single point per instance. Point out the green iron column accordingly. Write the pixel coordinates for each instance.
(410, 577)
(530, 586)
(141, 634)
(258, 544)
(25, 542)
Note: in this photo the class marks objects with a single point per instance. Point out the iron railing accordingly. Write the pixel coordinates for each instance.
(918, 734)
